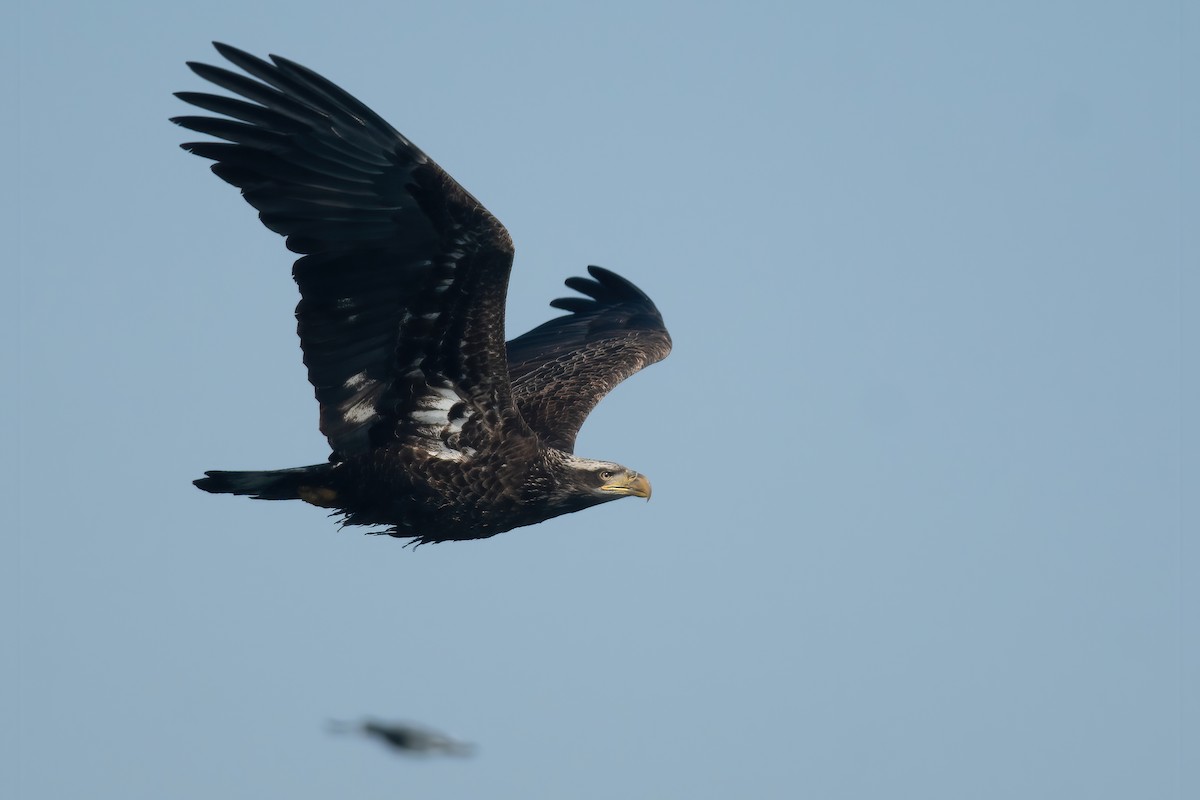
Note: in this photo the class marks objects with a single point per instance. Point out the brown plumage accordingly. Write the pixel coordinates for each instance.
(439, 429)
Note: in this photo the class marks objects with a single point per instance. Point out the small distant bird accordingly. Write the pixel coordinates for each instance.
(440, 430)
(406, 737)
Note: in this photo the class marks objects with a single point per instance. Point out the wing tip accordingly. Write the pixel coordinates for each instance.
(603, 288)
(229, 52)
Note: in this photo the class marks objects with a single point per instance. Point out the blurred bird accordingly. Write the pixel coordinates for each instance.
(406, 737)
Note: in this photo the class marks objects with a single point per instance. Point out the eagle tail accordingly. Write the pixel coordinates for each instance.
(276, 484)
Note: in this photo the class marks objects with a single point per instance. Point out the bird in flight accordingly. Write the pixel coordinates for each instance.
(439, 429)
(406, 737)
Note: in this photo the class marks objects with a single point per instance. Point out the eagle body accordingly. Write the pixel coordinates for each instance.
(439, 428)
(461, 501)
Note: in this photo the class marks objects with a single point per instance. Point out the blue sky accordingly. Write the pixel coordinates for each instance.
(918, 456)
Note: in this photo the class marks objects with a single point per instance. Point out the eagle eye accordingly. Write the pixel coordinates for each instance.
(606, 474)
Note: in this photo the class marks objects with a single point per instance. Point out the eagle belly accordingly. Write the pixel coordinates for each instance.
(430, 499)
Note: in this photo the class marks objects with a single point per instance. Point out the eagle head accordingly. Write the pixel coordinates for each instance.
(582, 482)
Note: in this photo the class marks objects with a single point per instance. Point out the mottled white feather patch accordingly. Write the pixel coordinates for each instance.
(436, 428)
(446, 454)
(357, 381)
(359, 412)
(432, 417)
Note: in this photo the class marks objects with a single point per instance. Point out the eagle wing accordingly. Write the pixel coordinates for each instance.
(561, 369)
(403, 276)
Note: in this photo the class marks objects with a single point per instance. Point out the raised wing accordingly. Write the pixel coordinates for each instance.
(560, 370)
(404, 274)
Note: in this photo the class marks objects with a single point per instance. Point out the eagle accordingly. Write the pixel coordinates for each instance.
(439, 429)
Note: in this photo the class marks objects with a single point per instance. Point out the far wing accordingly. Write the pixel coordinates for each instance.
(404, 274)
(560, 370)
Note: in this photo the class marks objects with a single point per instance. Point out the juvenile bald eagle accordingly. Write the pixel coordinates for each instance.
(439, 429)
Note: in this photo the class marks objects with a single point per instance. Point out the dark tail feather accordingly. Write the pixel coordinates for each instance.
(275, 484)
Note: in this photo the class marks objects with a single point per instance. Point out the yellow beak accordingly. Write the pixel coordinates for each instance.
(631, 483)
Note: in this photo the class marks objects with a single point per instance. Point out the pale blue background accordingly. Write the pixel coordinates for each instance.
(918, 524)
